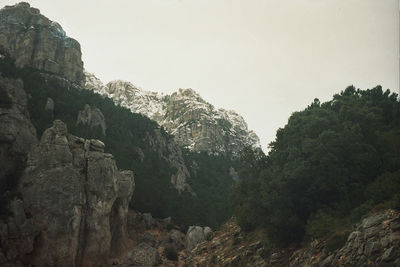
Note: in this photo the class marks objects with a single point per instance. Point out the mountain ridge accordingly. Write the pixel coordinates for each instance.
(195, 123)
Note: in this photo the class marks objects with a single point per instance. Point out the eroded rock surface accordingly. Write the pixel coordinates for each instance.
(92, 117)
(74, 202)
(375, 241)
(17, 133)
(196, 235)
(35, 41)
(195, 123)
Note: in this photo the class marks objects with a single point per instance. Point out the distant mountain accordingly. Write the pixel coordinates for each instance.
(195, 123)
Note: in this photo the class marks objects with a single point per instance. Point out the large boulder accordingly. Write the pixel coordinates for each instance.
(196, 235)
(76, 199)
(92, 117)
(35, 41)
(145, 255)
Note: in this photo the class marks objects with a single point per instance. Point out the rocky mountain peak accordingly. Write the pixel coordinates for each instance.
(187, 93)
(34, 40)
(195, 123)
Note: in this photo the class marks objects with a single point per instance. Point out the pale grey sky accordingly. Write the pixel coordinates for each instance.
(264, 59)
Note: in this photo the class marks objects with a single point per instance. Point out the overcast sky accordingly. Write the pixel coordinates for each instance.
(264, 59)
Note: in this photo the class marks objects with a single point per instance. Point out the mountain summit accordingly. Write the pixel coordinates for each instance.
(195, 123)
(36, 41)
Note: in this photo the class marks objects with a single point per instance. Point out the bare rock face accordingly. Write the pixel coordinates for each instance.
(195, 123)
(35, 41)
(375, 241)
(75, 199)
(17, 133)
(196, 235)
(92, 117)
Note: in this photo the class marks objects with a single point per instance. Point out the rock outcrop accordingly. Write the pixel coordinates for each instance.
(196, 235)
(17, 133)
(35, 41)
(195, 123)
(92, 117)
(73, 205)
(375, 241)
(151, 236)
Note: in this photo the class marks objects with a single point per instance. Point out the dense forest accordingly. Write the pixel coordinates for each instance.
(126, 132)
(331, 164)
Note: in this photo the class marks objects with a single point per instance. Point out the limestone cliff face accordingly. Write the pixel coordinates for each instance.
(195, 123)
(17, 133)
(73, 205)
(35, 41)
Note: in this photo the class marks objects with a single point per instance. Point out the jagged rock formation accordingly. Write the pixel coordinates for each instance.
(73, 207)
(196, 235)
(375, 241)
(92, 117)
(17, 133)
(35, 41)
(195, 123)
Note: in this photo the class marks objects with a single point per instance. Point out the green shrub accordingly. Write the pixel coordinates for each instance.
(336, 241)
(213, 259)
(320, 224)
(209, 236)
(170, 253)
(361, 210)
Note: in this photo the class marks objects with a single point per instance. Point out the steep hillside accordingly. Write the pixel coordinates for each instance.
(374, 241)
(195, 123)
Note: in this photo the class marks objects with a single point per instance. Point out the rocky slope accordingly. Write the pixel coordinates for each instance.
(375, 241)
(195, 123)
(35, 41)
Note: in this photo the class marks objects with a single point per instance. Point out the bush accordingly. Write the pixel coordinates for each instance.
(320, 224)
(170, 253)
(336, 241)
(213, 259)
(209, 236)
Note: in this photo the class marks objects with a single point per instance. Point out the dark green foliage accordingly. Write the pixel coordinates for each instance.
(212, 183)
(170, 253)
(209, 236)
(213, 259)
(332, 159)
(9, 177)
(336, 241)
(126, 134)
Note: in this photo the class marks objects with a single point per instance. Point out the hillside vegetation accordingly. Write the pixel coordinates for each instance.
(331, 164)
(126, 133)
